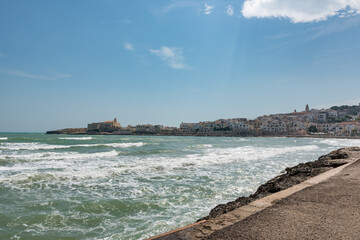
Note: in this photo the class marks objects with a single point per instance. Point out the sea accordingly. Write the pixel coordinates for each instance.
(133, 187)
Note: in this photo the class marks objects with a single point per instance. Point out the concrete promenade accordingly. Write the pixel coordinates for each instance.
(324, 207)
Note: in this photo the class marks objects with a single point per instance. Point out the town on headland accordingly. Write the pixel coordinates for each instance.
(337, 121)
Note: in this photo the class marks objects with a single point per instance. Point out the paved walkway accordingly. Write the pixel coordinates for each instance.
(328, 210)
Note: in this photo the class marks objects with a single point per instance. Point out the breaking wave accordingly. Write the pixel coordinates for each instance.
(40, 146)
(201, 146)
(30, 146)
(341, 142)
(75, 138)
(3, 138)
(115, 145)
(59, 156)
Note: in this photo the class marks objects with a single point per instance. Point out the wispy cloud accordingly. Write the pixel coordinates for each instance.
(129, 46)
(208, 9)
(332, 28)
(229, 10)
(17, 73)
(177, 5)
(174, 6)
(1, 54)
(172, 56)
(300, 11)
(287, 39)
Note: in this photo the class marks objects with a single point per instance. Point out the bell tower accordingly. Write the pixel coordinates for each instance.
(307, 108)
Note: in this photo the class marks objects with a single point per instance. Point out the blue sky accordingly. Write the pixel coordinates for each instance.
(67, 63)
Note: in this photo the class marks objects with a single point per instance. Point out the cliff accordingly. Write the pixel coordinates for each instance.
(68, 131)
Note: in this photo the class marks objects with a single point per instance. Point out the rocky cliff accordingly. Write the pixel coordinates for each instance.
(69, 131)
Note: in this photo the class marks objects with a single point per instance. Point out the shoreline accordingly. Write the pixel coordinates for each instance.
(67, 132)
(224, 215)
(289, 177)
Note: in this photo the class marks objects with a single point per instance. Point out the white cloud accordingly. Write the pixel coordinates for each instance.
(1, 54)
(17, 73)
(208, 9)
(171, 56)
(300, 10)
(229, 10)
(174, 6)
(177, 5)
(129, 46)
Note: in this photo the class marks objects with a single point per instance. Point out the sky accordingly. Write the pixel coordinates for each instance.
(69, 63)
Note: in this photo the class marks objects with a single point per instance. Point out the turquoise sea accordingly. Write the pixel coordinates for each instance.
(132, 187)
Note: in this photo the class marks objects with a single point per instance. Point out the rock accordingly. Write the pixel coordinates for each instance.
(68, 131)
(338, 154)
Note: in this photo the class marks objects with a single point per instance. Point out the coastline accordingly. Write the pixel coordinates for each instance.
(82, 131)
(292, 180)
(290, 177)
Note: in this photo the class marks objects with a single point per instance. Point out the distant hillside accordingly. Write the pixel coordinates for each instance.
(351, 110)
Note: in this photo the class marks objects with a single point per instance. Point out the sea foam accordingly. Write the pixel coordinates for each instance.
(40, 146)
(75, 138)
(30, 146)
(340, 142)
(59, 156)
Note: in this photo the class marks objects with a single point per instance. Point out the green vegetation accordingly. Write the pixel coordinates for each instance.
(350, 110)
(312, 129)
(222, 129)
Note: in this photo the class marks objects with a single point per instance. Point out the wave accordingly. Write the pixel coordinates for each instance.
(30, 146)
(58, 156)
(3, 138)
(218, 156)
(40, 146)
(115, 145)
(340, 142)
(75, 138)
(201, 146)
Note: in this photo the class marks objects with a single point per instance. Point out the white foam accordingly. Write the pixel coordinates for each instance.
(217, 156)
(30, 146)
(75, 138)
(341, 142)
(115, 145)
(41, 146)
(59, 156)
(3, 138)
(201, 146)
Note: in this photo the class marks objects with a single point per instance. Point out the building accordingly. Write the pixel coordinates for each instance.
(148, 128)
(321, 117)
(107, 126)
